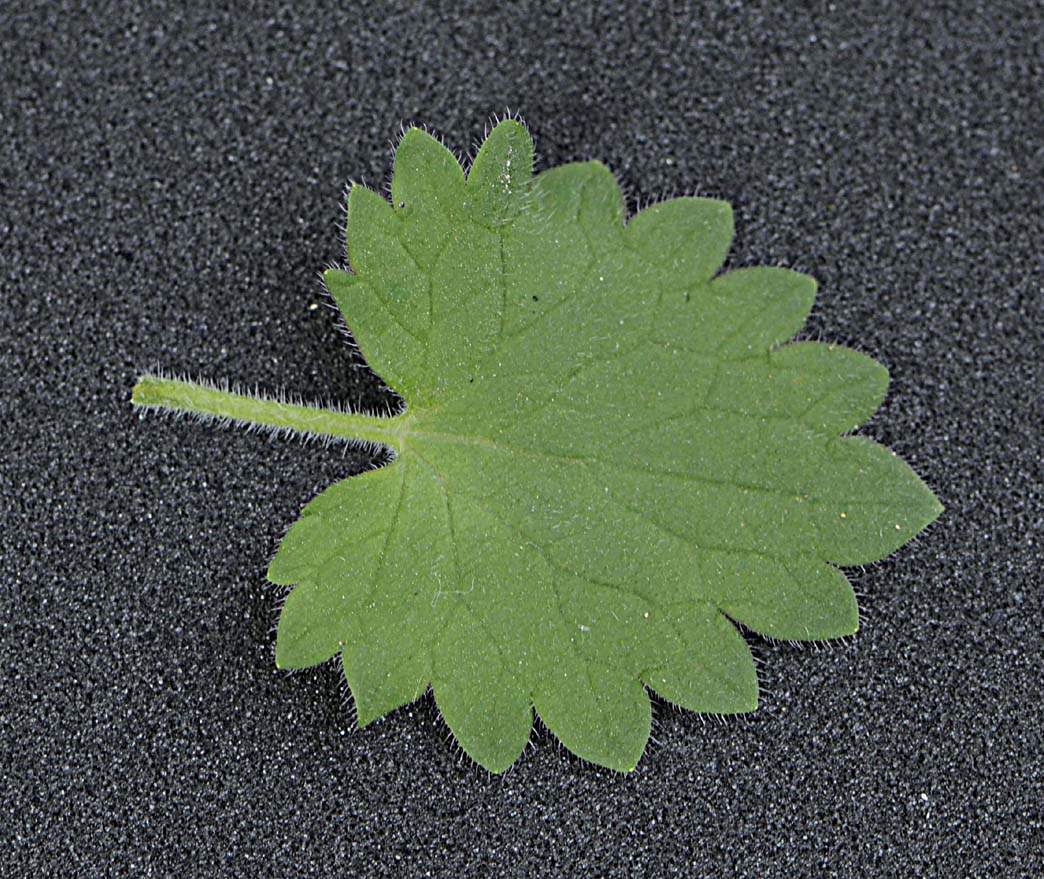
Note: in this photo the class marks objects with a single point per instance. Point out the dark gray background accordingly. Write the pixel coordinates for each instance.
(172, 183)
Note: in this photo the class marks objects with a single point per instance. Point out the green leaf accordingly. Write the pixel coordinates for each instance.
(609, 455)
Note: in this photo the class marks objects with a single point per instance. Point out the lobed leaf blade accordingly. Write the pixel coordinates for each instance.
(610, 453)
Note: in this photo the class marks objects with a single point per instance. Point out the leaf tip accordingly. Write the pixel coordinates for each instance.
(511, 124)
(415, 133)
(931, 508)
(495, 764)
(808, 286)
(284, 652)
(502, 172)
(364, 715)
(508, 140)
(276, 575)
(722, 207)
(333, 276)
(747, 700)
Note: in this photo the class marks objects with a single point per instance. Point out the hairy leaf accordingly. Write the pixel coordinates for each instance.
(609, 455)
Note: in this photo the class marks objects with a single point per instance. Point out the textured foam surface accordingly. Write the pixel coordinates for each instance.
(171, 187)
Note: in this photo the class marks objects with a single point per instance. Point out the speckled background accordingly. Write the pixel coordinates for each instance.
(171, 184)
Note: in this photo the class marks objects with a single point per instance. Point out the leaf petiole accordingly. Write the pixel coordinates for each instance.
(176, 395)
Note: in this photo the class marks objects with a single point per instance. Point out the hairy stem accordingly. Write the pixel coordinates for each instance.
(155, 392)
